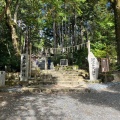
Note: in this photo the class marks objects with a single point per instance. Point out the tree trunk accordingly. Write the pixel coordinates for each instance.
(62, 29)
(54, 34)
(4, 11)
(116, 7)
(16, 11)
(12, 26)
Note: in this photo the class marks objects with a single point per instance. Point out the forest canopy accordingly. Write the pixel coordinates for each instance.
(54, 23)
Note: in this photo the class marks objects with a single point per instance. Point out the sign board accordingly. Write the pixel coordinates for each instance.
(41, 64)
(64, 62)
(104, 64)
(38, 63)
(93, 66)
(24, 67)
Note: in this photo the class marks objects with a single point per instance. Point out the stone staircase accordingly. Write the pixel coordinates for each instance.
(61, 78)
(52, 81)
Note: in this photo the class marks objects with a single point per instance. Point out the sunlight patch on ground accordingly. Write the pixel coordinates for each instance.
(4, 103)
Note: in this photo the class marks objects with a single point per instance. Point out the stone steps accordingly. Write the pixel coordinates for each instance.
(56, 81)
(66, 78)
(58, 78)
(51, 77)
(55, 89)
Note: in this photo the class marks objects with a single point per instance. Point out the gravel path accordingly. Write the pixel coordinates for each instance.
(101, 86)
(100, 105)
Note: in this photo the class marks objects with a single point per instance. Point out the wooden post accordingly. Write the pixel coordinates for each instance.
(88, 45)
(30, 60)
(105, 77)
(27, 55)
(105, 66)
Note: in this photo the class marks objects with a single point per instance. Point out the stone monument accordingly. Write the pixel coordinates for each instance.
(93, 66)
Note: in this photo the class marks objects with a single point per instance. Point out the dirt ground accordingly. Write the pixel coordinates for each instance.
(90, 105)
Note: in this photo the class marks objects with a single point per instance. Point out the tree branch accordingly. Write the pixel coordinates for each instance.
(16, 11)
(4, 11)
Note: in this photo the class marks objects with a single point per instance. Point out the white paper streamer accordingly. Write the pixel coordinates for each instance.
(64, 49)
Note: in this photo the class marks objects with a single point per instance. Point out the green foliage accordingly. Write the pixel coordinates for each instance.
(103, 39)
(2, 4)
(80, 58)
(99, 49)
(93, 21)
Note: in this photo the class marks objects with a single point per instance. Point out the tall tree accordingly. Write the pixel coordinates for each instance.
(12, 22)
(116, 7)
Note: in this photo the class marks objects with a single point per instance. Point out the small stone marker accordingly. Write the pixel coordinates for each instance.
(2, 78)
(64, 62)
(52, 65)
